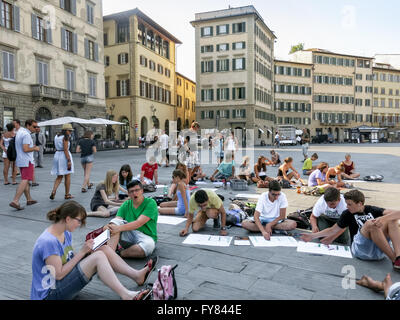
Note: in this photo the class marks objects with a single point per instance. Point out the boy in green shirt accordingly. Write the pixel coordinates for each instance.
(135, 226)
(307, 165)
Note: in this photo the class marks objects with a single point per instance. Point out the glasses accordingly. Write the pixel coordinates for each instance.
(274, 194)
(79, 220)
(36, 127)
(134, 190)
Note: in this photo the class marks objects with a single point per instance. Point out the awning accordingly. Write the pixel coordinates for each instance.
(261, 130)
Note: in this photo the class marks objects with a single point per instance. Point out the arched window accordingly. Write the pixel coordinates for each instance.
(143, 127)
(179, 125)
(166, 126)
(125, 134)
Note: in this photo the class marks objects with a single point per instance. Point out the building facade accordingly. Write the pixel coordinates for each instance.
(185, 102)
(139, 74)
(234, 71)
(51, 61)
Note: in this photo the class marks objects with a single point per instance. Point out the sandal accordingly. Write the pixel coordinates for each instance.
(68, 196)
(84, 190)
(52, 196)
(90, 185)
(142, 293)
(151, 264)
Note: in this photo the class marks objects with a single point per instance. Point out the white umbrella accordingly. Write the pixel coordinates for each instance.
(104, 121)
(61, 121)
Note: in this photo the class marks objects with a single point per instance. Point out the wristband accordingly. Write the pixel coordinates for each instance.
(223, 228)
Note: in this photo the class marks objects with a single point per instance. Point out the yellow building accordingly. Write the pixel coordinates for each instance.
(386, 99)
(185, 102)
(140, 74)
(51, 55)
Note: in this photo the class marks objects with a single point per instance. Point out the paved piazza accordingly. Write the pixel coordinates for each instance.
(207, 272)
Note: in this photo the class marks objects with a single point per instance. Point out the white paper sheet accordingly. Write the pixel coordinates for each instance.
(351, 181)
(208, 240)
(242, 243)
(248, 196)
(319, 248)
(170, 220)
(101, 239)
(275, 241)
(200, 182)
(160, 186)
(210, 189)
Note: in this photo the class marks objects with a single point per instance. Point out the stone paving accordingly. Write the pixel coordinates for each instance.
(207, 273)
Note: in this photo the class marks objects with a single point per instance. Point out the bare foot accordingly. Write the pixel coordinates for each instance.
(387, 283)
(370, 283)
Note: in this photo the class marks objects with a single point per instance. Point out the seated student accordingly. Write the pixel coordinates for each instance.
(137, 234)
(244, 170)
(270, 213)
(172, 189)
(125, 176)
(370, 228)
(180, 207)
(275, 159)
(73, 271)
(198, 174)
(307, 165)
(103, 204)
(318, 176)
(335, 172)
(149, 172)
(349, 169)
(391, 290)
(226, 170)
(211, 207)
(284, 169)
(260, 170)
(327, 211)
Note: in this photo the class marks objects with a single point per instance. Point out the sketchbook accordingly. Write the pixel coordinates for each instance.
(170, 220)
(101, 239)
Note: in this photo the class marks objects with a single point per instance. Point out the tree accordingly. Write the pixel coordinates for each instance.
(297, 47)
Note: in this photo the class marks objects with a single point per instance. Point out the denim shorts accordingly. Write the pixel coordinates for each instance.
(87, 159)
(365, 249)
(130, 238)
(68, 287)
(180, 211)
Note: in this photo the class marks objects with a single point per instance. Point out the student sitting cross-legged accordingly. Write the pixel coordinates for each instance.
(370, 228)
(180, 207)
(308, 168)
(327, 211)
(270, 213)
(226, 170)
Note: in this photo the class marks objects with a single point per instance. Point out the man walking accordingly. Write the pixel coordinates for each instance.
(40, 140)
(164, 141)
(304, 141)
(25, 148)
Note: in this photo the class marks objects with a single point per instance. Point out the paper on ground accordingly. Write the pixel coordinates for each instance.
(319, 248)
(275, 241)
(351, 181)
(248, 196)
(201, 182)
(208, 240)
(210, 189)
(242, 243)
(161, 186)
(170, 220)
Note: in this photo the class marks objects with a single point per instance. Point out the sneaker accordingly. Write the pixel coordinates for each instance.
(217, 225)
(396, 264)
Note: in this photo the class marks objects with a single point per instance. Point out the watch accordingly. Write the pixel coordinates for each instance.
(223, 228)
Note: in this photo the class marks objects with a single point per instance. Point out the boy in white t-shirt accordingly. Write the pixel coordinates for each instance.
(327, 211)
(270, 213)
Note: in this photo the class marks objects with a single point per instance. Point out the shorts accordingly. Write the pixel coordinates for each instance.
(365, 249)
(27, 173)
(165, 153)
(87, 159)
(94, 207)
(305, 171)
(130, 238)
(68, 287)
(180, 211)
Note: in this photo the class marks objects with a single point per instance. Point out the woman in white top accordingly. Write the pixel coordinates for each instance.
(63, 164)
(4, 142)
(231, 144)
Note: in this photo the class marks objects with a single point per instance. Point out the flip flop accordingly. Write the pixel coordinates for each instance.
(141, 294)
(16, 206)
(151, 264)
(6, 184)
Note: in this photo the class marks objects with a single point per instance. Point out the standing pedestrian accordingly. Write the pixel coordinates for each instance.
(164, 141)
(25, 148)
(87, 147)
(305, 139)
(231, 144)
(4, 142)
(39, 140)
(277, 140)
(63, 165)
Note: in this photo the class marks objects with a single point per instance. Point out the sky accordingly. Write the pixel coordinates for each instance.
(354, 27)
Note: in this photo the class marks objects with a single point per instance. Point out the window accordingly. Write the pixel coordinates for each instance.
(123, 32)
(207, 66)
(106, 61)
(239, 64)
(166, 49)
(160, 69)
(207, 95)
(207, 114)
(90, 12)
(238, 45)
(42, 72)
(107, 89)
(105, 36)
(223, 65)
(68, 5)
(167, 73)
(69, 41)
(239, 113)
(123, 58)
(143, 61)
(223, 47)
(8, 65)
(223, 29)
(359, 76)
(92, 85)
(222, 94)
(70, 79)
(238, 93)
(207, 49)
(123, 88)
(152, 65)
(239, 27)
(39, 32)
(206, 31)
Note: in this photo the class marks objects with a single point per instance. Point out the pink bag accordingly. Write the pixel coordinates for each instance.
(164, 288)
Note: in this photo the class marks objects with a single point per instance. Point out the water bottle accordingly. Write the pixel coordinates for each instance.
(165, 191)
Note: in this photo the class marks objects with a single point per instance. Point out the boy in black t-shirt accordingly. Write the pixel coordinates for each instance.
(371, 228)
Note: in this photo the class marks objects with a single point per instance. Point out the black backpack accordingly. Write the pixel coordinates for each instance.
(11, 150)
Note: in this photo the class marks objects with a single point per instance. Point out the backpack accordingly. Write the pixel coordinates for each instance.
(302, 218)
(285, 184)
(165, 288)
(378, 178)
(234, 217)
(161, 199)
(11, 150)
(149, 187)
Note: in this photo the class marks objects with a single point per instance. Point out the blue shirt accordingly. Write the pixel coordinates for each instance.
(226, 168)
(48, 245)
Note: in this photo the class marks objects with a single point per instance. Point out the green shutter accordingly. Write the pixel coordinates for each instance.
(244, 63)
(218, 96)
(227, 93)
(202, 114)
(244, 113)
(234, 113)
(227, 28)
(202, 96)
(211, 114)
(244, 92)
(227, 114)
(212, 94)
(233, 94)
(202, 34)
(218, 66)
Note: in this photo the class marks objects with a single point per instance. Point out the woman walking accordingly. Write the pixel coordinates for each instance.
(4, 142)
(63, 164)
(87, 148)
(60, 274)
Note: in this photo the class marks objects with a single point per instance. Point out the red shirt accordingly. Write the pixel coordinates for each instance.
(149, 170)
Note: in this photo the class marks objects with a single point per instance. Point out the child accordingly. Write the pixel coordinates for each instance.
(226, 170)
(180, 207)
(149, 172)
(307, 166)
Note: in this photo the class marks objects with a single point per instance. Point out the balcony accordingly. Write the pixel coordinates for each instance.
(42, 92)
(387, 124)
(334, 122)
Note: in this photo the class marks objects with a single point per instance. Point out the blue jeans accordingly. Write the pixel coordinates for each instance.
(69, 286)
(365, 249)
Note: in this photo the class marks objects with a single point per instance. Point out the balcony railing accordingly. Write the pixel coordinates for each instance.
(40, 91)
(334, 122)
